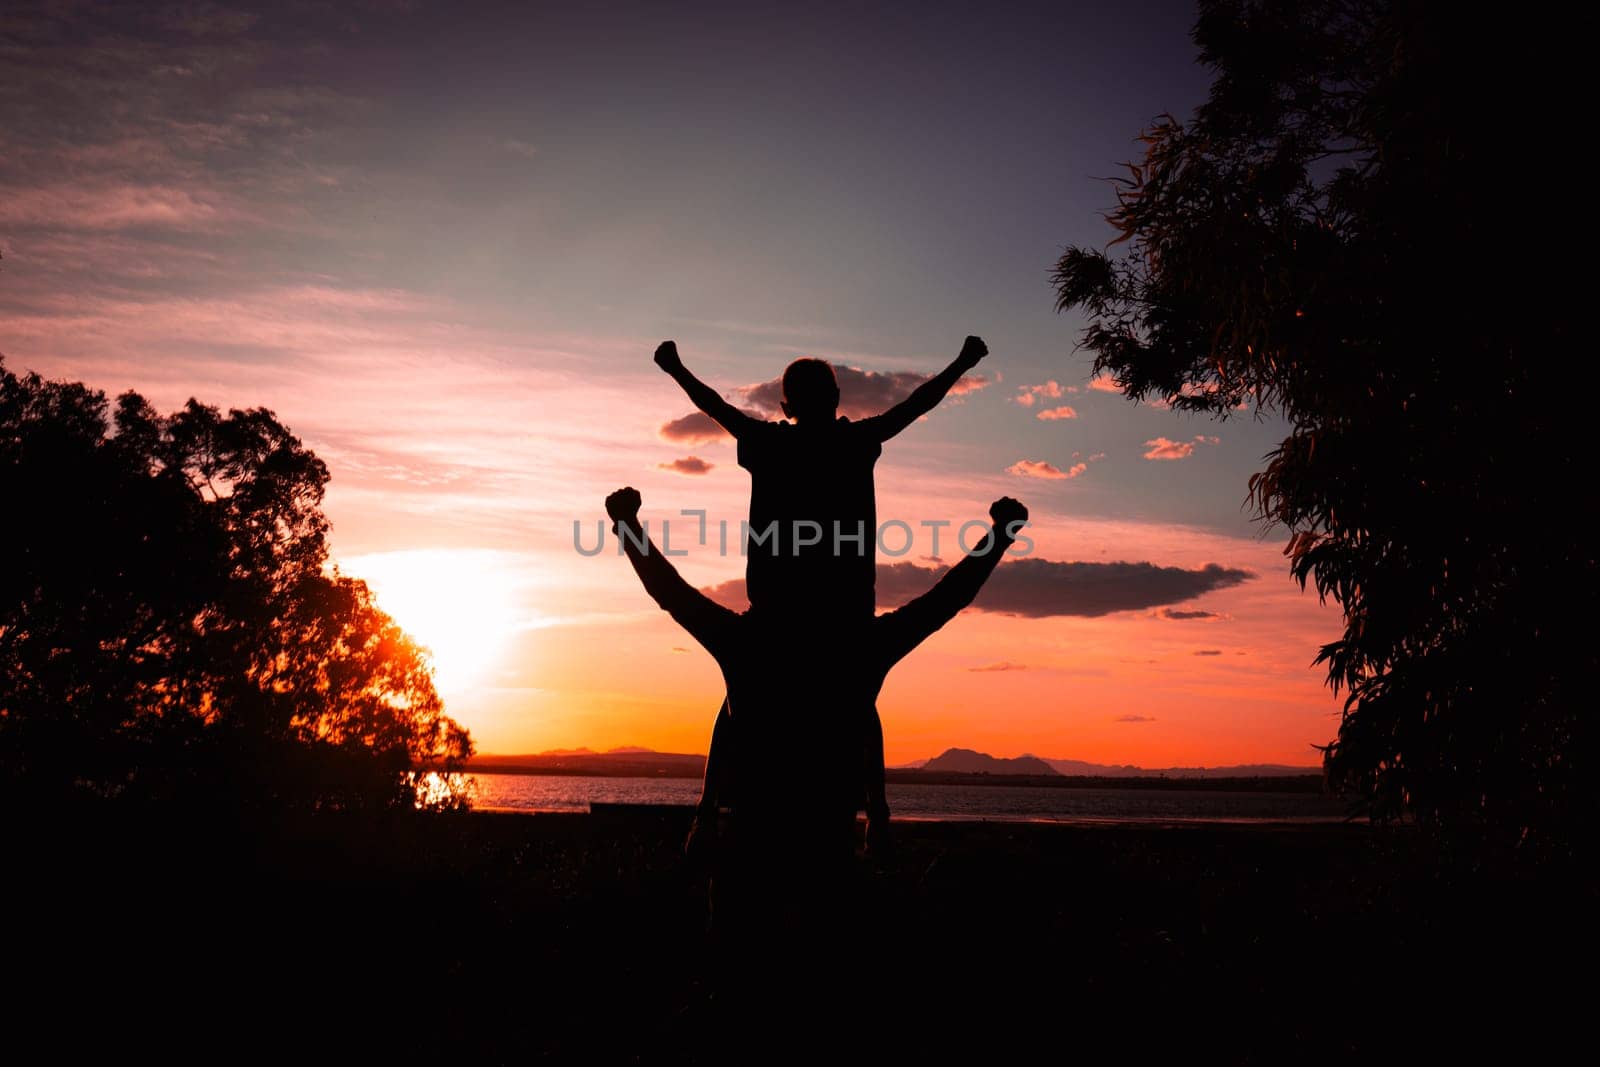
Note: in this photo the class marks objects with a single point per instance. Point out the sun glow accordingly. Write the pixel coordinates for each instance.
(459, 603)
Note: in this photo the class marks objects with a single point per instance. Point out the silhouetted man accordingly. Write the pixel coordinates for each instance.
(801, 689)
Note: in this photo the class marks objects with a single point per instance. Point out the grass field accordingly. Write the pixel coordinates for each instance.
(510, 938)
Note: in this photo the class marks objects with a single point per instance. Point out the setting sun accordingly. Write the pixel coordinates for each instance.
(460, 604)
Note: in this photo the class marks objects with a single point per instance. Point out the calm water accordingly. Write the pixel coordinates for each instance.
(550, 792)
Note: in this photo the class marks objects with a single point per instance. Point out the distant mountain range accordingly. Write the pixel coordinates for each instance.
(966, 761)
(632, 761)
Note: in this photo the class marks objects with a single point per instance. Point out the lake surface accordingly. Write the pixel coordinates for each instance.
(573, 793)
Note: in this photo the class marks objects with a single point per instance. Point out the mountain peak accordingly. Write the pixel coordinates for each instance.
(968, 761)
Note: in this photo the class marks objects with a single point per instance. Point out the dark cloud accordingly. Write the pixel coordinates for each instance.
(1041, 588)
(1134, 718)
(1001, 666)
(861, 392)
(1176, 614)
(1208, 652)
(687, 465)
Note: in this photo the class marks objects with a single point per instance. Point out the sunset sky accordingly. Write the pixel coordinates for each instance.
(441, 241)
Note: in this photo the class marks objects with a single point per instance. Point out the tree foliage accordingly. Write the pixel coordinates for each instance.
(1347, 233)
(170, 629)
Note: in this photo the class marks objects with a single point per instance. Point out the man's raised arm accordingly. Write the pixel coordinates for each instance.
(925, 397)
(707, 621)
(908, 627)
(705, 398)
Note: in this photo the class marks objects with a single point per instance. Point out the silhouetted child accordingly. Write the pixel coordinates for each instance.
(811, 548)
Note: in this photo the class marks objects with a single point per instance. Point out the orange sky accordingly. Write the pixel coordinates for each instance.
(450, 286)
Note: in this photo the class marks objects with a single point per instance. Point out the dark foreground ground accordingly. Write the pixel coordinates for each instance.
(515, 938)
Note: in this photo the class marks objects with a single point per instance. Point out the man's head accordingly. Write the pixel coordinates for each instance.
(810, 391)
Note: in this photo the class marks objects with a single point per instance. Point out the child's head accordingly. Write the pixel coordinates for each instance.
(810, 391)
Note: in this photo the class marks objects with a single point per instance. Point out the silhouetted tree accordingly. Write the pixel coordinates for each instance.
(170, 630)
(1343, 233)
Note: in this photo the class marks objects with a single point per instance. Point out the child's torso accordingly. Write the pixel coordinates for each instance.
(813, 516)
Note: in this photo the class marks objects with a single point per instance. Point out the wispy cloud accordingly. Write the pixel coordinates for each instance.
(117, 207)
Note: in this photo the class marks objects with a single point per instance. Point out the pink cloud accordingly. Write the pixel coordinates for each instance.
(1027, 468)
(1050, 390)
(687, 465)
(1165, 448)
(1062, 412)
(695, 428)
(1104, 384)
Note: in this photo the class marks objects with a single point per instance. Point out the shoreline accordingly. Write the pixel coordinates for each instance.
(1287, 783)
(685, 811)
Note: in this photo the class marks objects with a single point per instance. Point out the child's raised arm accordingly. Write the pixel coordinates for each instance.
(925, 397)
(705, 398)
